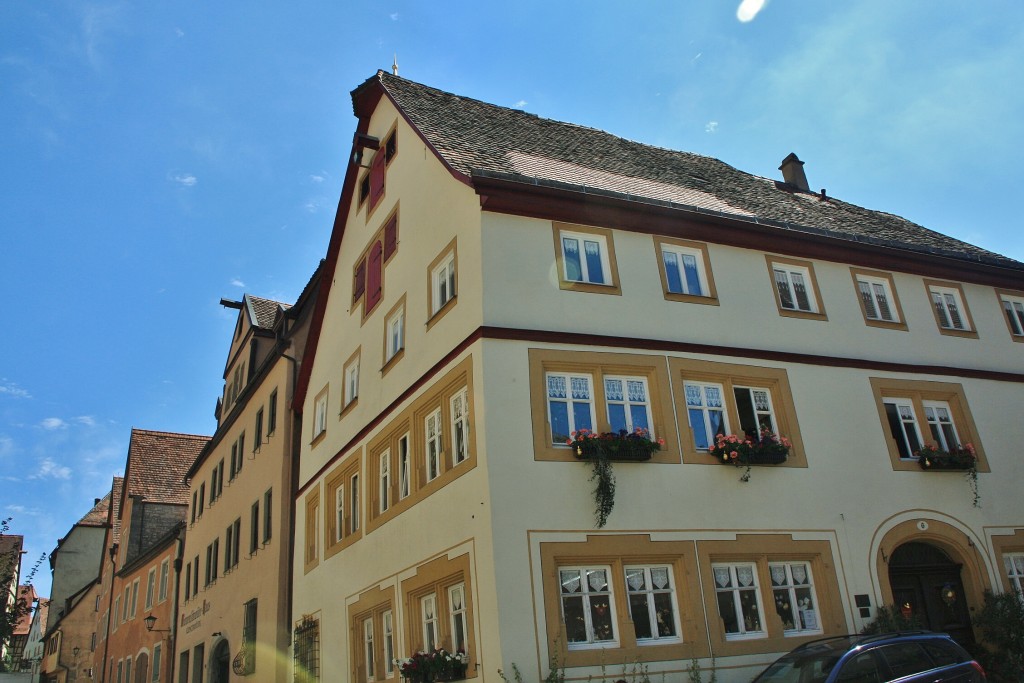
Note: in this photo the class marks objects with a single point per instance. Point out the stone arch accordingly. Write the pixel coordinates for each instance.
(220, 662)
(926, 540)
(142, 667)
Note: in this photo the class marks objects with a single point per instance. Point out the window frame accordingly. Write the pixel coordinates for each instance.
(956, 290)
(434, 578)
(589, 596)
(1013, 299)
(350, 383)
(459, 425)
(888, 284)
(791, 587)
(342, 528)
(731, 376)
(805, 268)
(919, 394)
(597, 365)
(371, 611)
(164, 578)
(699, 250)
(436, 308)
(320, 415)
(605, 238)
(311, 548)
(393, 353)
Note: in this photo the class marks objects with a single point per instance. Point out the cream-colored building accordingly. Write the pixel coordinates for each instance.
(497, 281)
(233, 605)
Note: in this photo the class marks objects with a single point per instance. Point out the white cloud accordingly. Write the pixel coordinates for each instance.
(520, 104)
(236, 282)
(6, 446)
(312, 205)
(9, 388)
(394, 16)
(318, 177)
(50, 469)
(52, 423)
(178, 32)
(86, 420)
(185, 179)
(749, 9)
(711, 127)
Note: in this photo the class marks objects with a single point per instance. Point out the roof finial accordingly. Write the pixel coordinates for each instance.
(394, 65)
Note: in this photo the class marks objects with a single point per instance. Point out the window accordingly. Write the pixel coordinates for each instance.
(232, 541)
(950, 309)
(685, 270)
(585, 259)
(183, 667)
(739, 600)
(432, 428)
(237, 456)
(198, 662)
(343, 520)
(724, 398)
(213, 485)
(652, 604)
(570, 404)
(457, 616)
(915, 413)
(391, 146)
(388, 622)
(795, 602)
(587, 606)
(796, 289)
(254, 527)
(268, 498)
(404, 467)
(628, 403)
(368, 649)
(601, 392)
(157, 654)
(135, 598)
(441, 609)
(1013, 307)
(876, 293)
(1014, 565)
(212, 559)
(249, 636)
(442, 282)
(195, 575)
(272, 413)
(117, 612)
(307, 650)
(384, 480)
(320, 414)
(202, 498)
(394, 332)
(351, 387)
(428, 620)
(195, 499)
(150, 588)
(188, 581)
(460, 426)
(165, 568)
(312, 556)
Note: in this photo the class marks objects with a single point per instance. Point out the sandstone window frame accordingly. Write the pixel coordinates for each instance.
(790, 266)
(731, 376)
(434, 579)
(951, 305)
(339, 482)
(605, 240)
(702, 268)
(598, 365)
(874, 279)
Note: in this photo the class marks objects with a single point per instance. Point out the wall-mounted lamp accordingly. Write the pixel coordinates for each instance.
(151, 622)
(75, 650)
(216, 634)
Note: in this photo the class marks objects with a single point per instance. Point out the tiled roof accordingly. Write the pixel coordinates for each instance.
(157, 462)
(476, 138)
(264, 312)
(98, 515)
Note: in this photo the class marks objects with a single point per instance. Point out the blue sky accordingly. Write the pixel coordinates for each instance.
(157, 157)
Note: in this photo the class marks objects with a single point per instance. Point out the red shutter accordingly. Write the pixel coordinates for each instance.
(376, 179)
(390, 237)
(359, 281)
(373, 276)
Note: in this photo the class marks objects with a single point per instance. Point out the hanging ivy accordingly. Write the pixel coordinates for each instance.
(604, 490)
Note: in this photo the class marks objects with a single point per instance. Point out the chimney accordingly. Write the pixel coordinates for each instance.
(793, 172)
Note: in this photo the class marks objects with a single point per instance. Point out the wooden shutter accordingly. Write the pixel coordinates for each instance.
(373, 276)
(359, 280)
(376, 179)
(390, 237)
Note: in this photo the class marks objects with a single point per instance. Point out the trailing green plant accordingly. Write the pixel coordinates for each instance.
(636, 672)
(888, 619)
(556, 672)
(693, 673)
(765, 448)
(932, 457)
(604, 489)
(1001, 620)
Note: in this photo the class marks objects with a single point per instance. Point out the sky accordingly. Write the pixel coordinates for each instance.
(156, 157)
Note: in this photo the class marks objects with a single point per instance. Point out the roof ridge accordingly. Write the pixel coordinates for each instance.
(139, 430)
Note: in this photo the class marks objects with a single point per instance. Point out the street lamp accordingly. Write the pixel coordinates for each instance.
(151, 622)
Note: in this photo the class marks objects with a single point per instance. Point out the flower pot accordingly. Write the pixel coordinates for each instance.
(954, 462)
(616, 450)
(766, 458)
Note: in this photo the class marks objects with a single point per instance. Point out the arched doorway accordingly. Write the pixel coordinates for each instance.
(220, 663)
(926, 584)
(142, 668)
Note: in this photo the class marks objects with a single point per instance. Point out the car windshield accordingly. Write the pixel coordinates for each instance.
(811, 665)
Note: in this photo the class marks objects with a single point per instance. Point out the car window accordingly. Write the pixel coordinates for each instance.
(861, 669)
(944, 653)
(905, 659)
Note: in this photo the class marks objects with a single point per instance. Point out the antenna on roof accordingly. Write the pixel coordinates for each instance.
(394, 65)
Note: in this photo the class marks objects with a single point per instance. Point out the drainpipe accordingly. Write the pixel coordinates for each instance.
(110, 607)
(172, 637)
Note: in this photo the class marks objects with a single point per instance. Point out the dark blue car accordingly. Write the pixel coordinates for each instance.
(905, 657)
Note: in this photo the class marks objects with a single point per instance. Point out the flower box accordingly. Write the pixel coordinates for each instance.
(961, 458)
(621, 446)
(766, 448)
(767, 457)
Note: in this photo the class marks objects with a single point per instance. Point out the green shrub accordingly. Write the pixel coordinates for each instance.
(1001, 621)
(888, 619)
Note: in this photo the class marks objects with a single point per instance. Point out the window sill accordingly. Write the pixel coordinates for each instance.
(691, 298)
(398, 355)
(590, 287)
(965, 334)
(349, 407)
(443, 311)
(886, 324)
(805, 315)
(318, 438)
